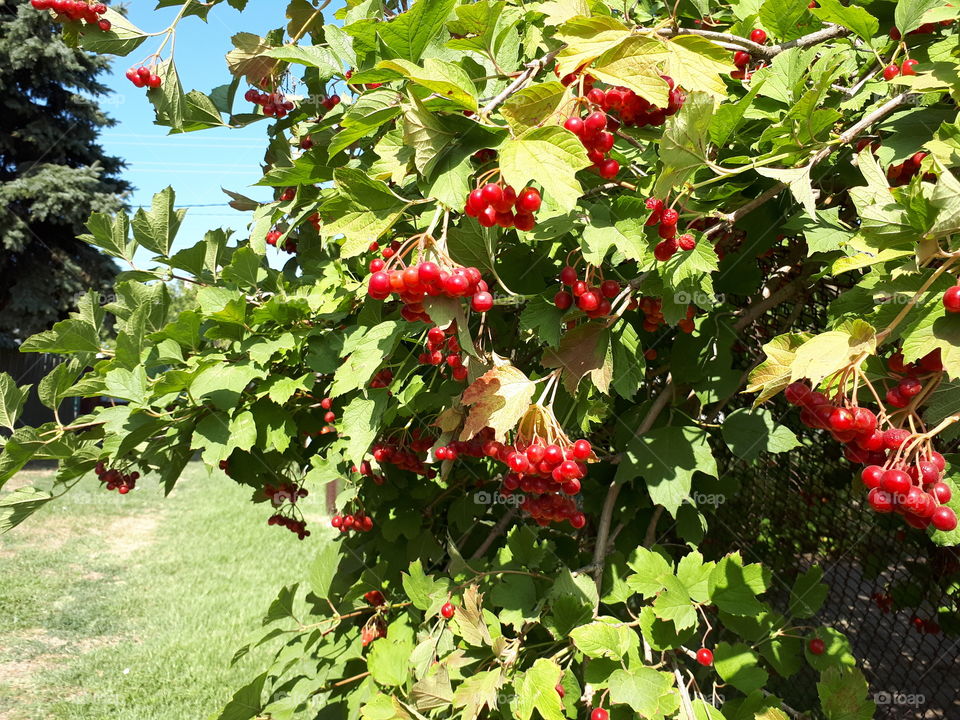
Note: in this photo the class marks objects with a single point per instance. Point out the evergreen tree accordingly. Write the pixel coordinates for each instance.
(53, 172)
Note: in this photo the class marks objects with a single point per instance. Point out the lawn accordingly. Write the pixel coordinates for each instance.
(131, 607)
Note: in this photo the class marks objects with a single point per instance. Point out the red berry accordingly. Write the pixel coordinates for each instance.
(481, 302)
(891, 71)
(665, 250)
(705, 657)
(796, 392)
(529, 200)
(908, 67)
(379, 284)
(563, 300)
(492, 193)
(841, 420)
(758, 36)
(568, 276)
(880, 500)
(610, 289)
(686, 242)
(524, 221)
(896, 482)
(448, 610)
(608, 169)
(951, 299)
(599, 714)
(588, 301)
(669, 217)
(428, 272)
(154, 81)
(741, 58)
(578, 520)
(941, 492)
(574, 125)
(944, 519)
(817, 646)
(872, 476)
(595, 123)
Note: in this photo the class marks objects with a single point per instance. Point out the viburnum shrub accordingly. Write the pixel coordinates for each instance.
(537, 252)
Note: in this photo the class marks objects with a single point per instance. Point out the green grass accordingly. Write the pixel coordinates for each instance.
(130, 608)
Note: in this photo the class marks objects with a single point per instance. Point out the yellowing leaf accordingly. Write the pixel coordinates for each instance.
(535, 105)
(773, 374)
(696, 63)
(587, 39)
(634, 63)
(498, 399)
(247, 58)
(829, 352)
(585, 350)
(550, 156)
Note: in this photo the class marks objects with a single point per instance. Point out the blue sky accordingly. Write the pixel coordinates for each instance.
(196, 164)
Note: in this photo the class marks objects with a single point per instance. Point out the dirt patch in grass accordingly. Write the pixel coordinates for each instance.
(131, 535)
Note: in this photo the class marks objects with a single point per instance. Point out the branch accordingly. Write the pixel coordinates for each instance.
(533, 68)
(610, 502)
(736, 42)
(495, 532)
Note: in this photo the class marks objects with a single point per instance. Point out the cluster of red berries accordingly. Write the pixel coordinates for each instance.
(951, 299)
(548, 474)
(666, 221)
(652, 309)
(414, 282)
(444, 348)
(144, 77)
(374, 598)
(329, 102)
(593, 300)
(298, 527)
(358, 522)
(912, 489)
(329, 416)
(382, 379)
(635, 111)
(570, 78)
(374, 629)
(76, 10)
(495, 203)
(289, 245)
(924, 29)
(285, 492)
(909, 67)
(274, 104)
(902, 173)
(402, 455)
(593, 134)
(113, 479)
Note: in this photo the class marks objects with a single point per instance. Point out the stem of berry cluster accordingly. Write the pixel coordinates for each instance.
(883, 334)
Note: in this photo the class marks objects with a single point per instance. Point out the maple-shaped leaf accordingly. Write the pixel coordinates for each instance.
(497, 399)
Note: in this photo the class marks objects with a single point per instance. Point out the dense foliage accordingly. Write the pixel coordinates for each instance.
(533, 248)
(53, 173)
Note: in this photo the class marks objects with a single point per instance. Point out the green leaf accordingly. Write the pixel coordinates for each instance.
(156, 229)
(908, 14)
(12, 399)
(409, 33)
(674, 603)
(773, 375)
(695, 576)
(843, 694)
(650, 568)
(749, 432)
(389, 661)
(550, 156)
(362, 119)
(222, 384)
(246, 268)
(798, 180)
(606, 637)
(666, 458)
(112, 235)
(168, 99)
(618, 225)
(542, 318)
(808, 593)
(445, 79)
(536, 690)
(364, 350)
(853, 18)
(734, 587)
(629, 363)
(363, 210)
(19, 505)
(245, 703)
(53, 388)
(738, 665)
(648, 692)
(424, 591)
(683, 148)
(529, 107)
(782, 18)
(313, 56)
(122, 39)
(360, 424)
(837, 651)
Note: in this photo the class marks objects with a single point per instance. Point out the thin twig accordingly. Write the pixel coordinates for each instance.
(495, 532)
(533, 68)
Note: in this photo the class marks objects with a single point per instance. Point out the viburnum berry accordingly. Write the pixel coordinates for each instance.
(741, 58)
(891, 71)
(758, 36)
(951, 299)
(817, 646)
(599, 714)
(944, 519)
(669, 216)
(563, 300)
(448, 610)
(481, 302)
(705, 657)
